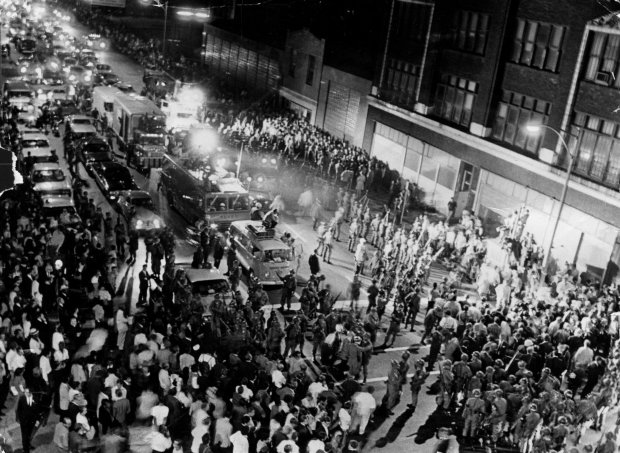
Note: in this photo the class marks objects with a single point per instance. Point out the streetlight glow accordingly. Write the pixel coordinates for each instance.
(533, 129)
(185, 13)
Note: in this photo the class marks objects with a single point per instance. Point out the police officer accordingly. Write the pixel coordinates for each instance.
(290, 283)
(474, 410)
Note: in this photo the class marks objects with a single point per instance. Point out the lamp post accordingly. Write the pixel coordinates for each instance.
(535, 129)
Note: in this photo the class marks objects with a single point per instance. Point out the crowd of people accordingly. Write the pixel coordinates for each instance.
(528, 361)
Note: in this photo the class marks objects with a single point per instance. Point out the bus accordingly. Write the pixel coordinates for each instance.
(260, 252)
(202, 195)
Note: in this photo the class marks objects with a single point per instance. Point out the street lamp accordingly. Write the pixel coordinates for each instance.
(536, 129)
(164, 6)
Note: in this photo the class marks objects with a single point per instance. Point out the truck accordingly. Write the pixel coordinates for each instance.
(137, 122)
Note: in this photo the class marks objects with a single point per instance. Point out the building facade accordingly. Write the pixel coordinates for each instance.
(459, 83)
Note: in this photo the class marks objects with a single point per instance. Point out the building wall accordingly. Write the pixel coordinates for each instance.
(302, 63)
(350, 117)
(242, 62)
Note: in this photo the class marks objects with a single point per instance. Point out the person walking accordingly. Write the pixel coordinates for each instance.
(328, 241)
(27, 414)
(313, 262)
(144, 278)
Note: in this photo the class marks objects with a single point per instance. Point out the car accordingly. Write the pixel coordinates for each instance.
(205, 284)
(47, 178)
(95, 41)
(113, 178)
(79, 119)
(38, 146)
(110, 79)
(57, 207)
(102, 68)
(89, 61)
(93, 149)
(137, 207)
(124, 87)
(65, 107)
(79, 74)
(69, 61)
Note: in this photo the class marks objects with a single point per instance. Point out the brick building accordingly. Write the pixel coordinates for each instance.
(456, 87)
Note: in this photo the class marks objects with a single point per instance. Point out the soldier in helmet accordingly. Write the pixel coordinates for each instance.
(290, 284)
(473, 414)
(417, 380)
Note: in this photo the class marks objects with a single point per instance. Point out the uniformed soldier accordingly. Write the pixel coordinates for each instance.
(473, 414)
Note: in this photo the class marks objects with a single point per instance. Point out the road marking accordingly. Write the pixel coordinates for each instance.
(383, 378)
(401, 348)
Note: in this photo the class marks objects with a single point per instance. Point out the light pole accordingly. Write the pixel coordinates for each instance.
(534, 129)
(164, 6)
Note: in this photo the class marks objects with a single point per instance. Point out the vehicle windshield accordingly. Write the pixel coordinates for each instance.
(184, 115)
(48, 176)
(77, 69)
(59, 192)
(142, 202)
(35, 144)
(19, 94)
(277, 256)
(96, 148)
(156, 140)
(80, 121)
(229, 202)
(57, 210)
(210, 287)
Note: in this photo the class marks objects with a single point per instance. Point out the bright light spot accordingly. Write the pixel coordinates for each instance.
(533, 129)
(23, 70)
(202, 15)
(273, 161)
(264, 160)
(185, 13)
(204, 138)
(191, 96)
(102, 45)
(260, 179)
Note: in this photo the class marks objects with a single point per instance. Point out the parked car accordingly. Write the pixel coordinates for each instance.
(112, 178)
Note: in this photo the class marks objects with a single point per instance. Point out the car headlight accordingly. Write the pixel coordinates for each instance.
(139, 224)
(72, 77)
(264, 160)
(87, 78)
(156, 223)
(89, 42)
(112, 197)
(260, 179)
(102, 45)
(273, 161)
(266, 274)
(23, 70)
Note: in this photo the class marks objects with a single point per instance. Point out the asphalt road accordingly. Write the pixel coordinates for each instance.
(390, 434)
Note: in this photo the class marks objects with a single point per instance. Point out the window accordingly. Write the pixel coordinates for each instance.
(411, 21)
(537, 45)
(513, 113)
(400, 82)
(454, 99)
(597, 142)
(602, 66)
(469, 31)
(108, 106)
(292, 64)
(310, 73)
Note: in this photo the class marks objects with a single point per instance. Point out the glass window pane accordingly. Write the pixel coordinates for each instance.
(584, 158)
(612, 177)
(599, 159)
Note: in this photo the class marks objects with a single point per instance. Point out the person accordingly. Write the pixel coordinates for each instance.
(363, 406)
(144, 278)
(313, 262)
(328, 241)
(354, 292)
(27, 414)
(417, 381)
(271, 219)
(290, 284)
(451, 210)
(61, 435)
(475, 408)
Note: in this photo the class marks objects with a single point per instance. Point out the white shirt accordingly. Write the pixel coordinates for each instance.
(284, 443)
(159, 413)
(240, 443)
(278, 378)
(208, 359)
(56, 339)
(14, 360)
(197, 433)
(159, 442)
(315, 445)
(46, 368)
(345, 419)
